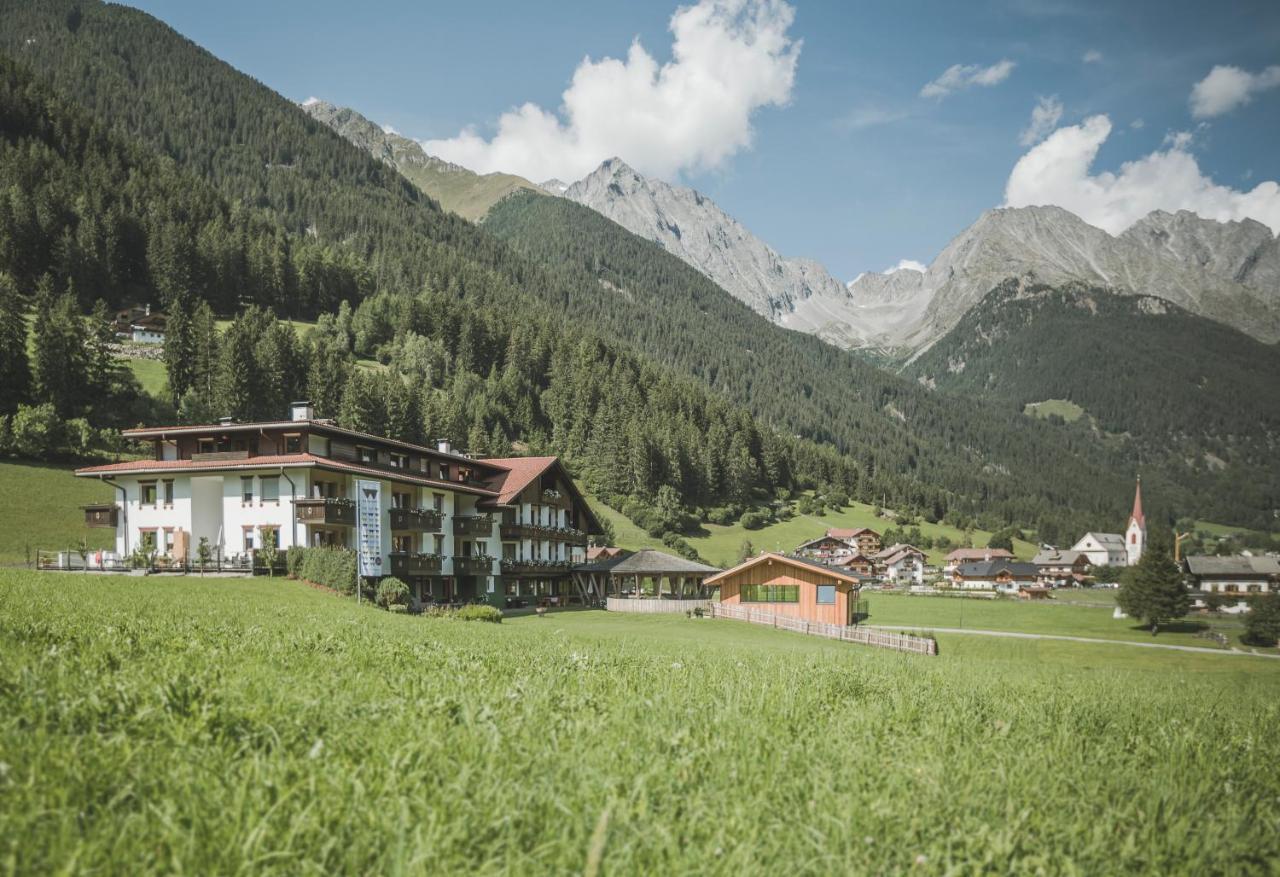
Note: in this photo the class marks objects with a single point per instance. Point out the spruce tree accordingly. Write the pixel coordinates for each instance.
(1154, 592)
(59, 369)
(179, 348)
(15, 370)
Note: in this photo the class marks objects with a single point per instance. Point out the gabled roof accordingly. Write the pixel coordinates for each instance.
(647, 562)
(1058, 558)
(960, 555)
(770, 557)
(982, 569)
(1240, 565)
(888, 555)
(519, 472)
(847, 533)
(1105, 539)
(816, 542)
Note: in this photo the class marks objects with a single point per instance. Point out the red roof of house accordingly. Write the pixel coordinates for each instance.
(520, 473)
(143, 467)
(846, 533)
(960, 555)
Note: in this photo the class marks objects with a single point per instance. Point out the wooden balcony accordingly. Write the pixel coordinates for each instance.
(405, 564)
(475, 525)
(341, 512)
(472, 566)
(104, 516)
(529, 567)
(416, 520)
(219, 456)
(538, 531)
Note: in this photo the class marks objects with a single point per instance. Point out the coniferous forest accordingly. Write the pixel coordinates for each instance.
(134, 166)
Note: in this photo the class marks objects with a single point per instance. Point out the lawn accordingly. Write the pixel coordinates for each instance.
(151, 375)
(1068, 411)
(153, 725)
(1059, 617)
(43, 510)
(721, 546)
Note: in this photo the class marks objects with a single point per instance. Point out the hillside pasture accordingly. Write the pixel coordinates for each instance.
(42, 510)
(303, 734)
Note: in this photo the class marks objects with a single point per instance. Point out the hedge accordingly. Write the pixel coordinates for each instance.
(332, 567)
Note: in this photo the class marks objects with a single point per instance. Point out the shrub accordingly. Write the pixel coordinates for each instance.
(36, 431)
(680, 546)
(723, 515)
(392, 592)
(332, 567)
(1262, 624)
(293, 560)
(479, 612)
(753, 520)
(397, 607)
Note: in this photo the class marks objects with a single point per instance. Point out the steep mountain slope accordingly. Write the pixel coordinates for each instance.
(1224, 271)
(796, 293)
(1190, 393)
(464, 192)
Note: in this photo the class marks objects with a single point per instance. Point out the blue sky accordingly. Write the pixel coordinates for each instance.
(852, 166)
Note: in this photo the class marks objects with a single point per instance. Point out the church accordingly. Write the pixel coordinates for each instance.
(1113, 549)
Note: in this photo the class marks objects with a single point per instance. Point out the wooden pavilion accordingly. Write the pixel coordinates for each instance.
(647, 575)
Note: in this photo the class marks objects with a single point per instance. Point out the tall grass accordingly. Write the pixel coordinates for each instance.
(224, 726)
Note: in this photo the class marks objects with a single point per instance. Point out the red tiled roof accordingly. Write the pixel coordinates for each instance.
(142, 467)
(846, 533)
(521, 471)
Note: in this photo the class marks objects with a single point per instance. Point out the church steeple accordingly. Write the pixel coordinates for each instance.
(1136, 515)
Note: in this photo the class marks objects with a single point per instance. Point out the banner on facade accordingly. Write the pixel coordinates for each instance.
(369, 521)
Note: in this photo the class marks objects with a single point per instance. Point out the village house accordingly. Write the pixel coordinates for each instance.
(139, 325)
(859, 564)
(994, 575)
(791, 586)
(1236, 576)
(1059, 569)
(901, 564)
(969, 555)
(839, 543)
(453, 527)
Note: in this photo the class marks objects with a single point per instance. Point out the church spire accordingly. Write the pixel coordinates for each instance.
(1136, 515)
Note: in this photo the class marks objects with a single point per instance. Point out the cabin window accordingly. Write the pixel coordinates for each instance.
(770, 594)
(293, 443)
(401, 544)
(147, 493)
(826, 595)
(271, 488)
(246, 489)
(444, 471)
(168, 492)
(366, 455)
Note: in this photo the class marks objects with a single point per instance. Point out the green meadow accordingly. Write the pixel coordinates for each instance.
(188, 725)
(721, 545)
(42, 510)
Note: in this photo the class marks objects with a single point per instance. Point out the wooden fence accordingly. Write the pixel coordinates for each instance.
(655, 605)
(902, 642)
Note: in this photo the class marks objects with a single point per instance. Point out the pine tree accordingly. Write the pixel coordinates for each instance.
(59, 369)
(15, 370)
(1154, 591)
(179, 348)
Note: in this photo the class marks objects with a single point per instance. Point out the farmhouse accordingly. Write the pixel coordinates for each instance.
(859, 564)
(1057, 569)
(140, 325)
(901, 564)
(839, 542)
(969, 555)
(453, 527)
(994, 575)
(1238, 576)
(796, 587)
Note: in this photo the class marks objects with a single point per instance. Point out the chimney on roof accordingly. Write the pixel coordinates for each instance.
(226, 420)
(444, 446)
(302, 411)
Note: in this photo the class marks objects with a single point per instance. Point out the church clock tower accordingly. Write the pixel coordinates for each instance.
(1135, 535)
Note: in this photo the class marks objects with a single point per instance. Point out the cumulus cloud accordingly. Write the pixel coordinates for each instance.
(1227, 87)
(1044, 118)
(958, 77)
(728, 59)
(907, 265)
(1058, 171)
(1093, 56)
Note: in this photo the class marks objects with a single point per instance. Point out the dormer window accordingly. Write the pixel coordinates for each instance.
(366, 455)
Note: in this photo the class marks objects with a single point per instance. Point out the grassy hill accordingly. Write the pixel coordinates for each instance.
(43, 510)
(304, 734)
(721, 545)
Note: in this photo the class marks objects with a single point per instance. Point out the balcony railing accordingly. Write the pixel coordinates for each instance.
(533, 567)
(472, 566)
(540, 531)
(326, 510)
(419, 520)
(406, 564)
(101, 516)
(475, 525)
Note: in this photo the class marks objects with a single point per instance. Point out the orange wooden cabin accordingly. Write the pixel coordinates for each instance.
(792, 586)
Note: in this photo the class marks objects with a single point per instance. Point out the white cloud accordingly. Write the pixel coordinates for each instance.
(1057, 171)
(311, 101)
(1227, 87)
(1093, 56)
(1044, 118)
(1138, 124)
(961, 76)
(728, 59)
(907, 265)
(871, 117)
(387, 129)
